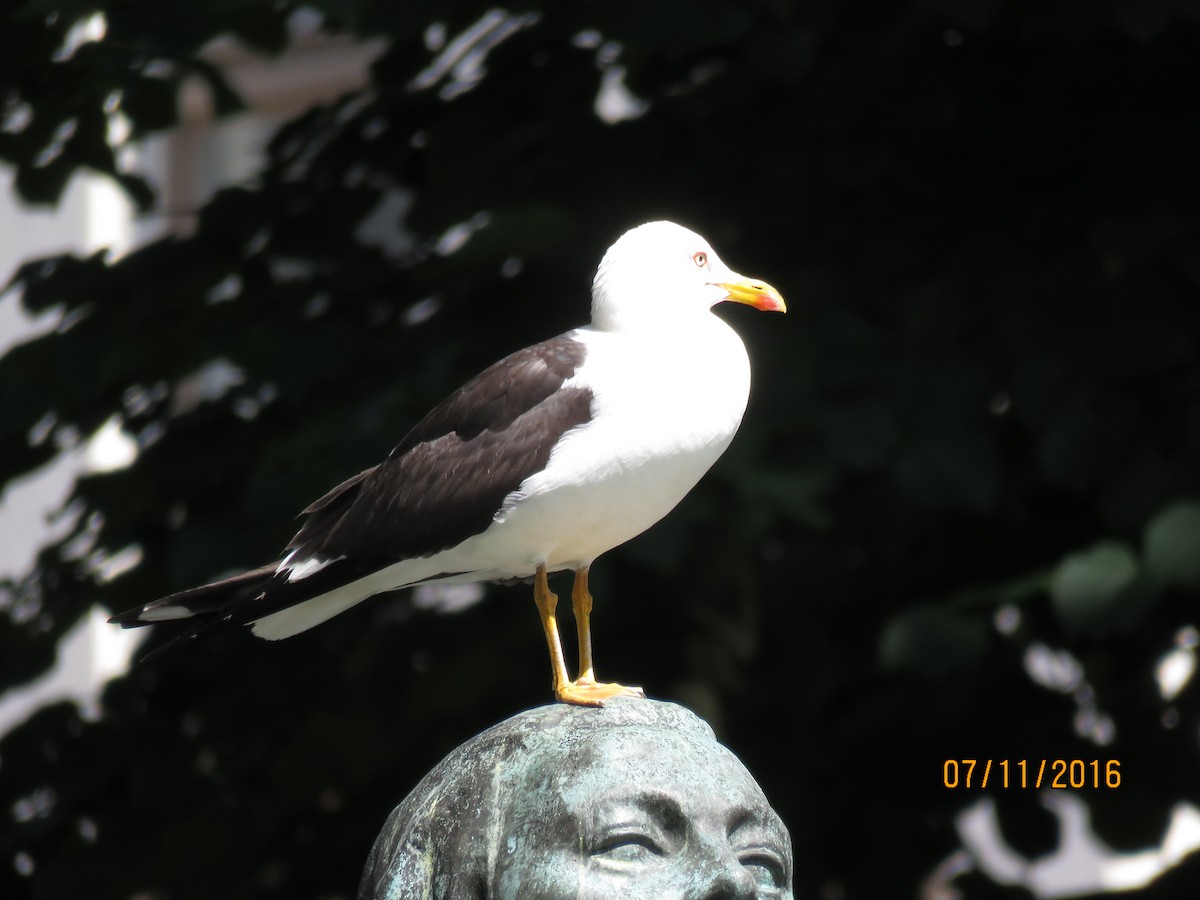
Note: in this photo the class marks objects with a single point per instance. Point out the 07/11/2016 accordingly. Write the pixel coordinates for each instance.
(1057, 774)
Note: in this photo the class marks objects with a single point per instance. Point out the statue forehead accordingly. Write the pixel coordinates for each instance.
(625, 749)
(575, 722)
(561, 754)
(564, 728)
(628, 762)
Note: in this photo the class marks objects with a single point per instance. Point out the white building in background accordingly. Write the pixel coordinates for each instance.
(185, 165)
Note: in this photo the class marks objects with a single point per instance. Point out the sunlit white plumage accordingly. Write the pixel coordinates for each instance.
(587, 440)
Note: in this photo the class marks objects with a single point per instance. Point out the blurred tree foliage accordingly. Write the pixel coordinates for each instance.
(972, 447)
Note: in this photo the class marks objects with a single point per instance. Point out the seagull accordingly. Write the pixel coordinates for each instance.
(543, 462)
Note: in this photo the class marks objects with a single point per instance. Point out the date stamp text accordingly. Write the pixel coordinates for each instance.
(1056, 774)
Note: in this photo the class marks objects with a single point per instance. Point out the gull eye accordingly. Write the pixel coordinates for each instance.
(700, 259)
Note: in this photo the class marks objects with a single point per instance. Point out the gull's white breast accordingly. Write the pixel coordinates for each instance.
(664, 409)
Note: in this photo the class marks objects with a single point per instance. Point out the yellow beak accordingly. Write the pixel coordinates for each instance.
(758, 294)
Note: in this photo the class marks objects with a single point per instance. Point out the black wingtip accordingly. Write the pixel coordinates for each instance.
(199, 626)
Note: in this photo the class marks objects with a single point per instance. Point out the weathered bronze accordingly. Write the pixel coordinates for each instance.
(633, 800)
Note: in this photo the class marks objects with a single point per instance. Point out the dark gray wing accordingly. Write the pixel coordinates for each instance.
(442, 484)
(449, 476)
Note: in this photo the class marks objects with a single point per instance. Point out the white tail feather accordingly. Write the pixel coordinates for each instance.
(308, 614)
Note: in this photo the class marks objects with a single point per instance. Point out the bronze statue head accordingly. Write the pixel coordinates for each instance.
(633, 800)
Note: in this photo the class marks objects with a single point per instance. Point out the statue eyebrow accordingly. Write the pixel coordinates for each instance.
(661, 806)
(745, 817)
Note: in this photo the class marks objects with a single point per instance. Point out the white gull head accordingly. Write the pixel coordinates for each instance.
(661, 275)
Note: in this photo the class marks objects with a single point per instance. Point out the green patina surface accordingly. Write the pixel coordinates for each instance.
(636, 799)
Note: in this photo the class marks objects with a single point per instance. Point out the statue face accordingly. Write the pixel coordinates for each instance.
(647, 814)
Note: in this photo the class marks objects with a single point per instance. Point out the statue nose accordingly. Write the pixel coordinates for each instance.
(725, 878)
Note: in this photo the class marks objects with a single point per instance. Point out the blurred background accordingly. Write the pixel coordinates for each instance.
(247, 244)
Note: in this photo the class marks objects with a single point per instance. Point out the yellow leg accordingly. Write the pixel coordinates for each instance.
(584, 690)
(581, 605)
(547, 603)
